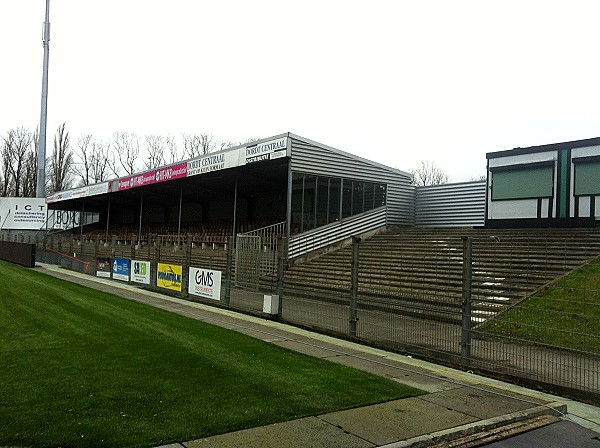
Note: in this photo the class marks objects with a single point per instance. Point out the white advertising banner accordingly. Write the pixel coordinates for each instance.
(23, 213)
(273, 149)
(81, 192)
(140, 271)
(205, 283)
(212, 162)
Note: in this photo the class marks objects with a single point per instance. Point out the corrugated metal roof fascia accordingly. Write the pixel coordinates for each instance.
(321, 163)
(297, 138)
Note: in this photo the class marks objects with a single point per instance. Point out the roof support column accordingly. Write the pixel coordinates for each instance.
(107, 219)
(288, 210)
(81, 218)
(235, 191)
(141, 208)
(179, 217)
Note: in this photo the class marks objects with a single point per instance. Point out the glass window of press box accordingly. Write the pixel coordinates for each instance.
(319, 200)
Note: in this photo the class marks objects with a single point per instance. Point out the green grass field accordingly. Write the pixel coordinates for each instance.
(80, 367)
(567, 314)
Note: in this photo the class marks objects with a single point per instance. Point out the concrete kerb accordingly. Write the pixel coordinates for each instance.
(447, 435)
(580, 413)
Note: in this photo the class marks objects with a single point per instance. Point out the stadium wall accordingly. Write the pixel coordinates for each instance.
(451, 205)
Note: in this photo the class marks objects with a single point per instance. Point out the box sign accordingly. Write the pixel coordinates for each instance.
(120, 269)
(273, 149)
(103, 267)
(168, 276)
(23, 213)
(205, 283)
(140, 271)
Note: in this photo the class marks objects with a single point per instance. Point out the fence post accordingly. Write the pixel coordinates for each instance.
(188, 264)
(282, 267)
(228, 273)
(467, 281)
(354, 285)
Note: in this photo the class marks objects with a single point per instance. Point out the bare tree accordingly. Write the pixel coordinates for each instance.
(17, 143)
(428, 173)
(195, 145)
(250, 140)
(479, 178)
(156, 146)
(61, 163)
(226, 144)
(99, 162)
(6, 175)
(173, 149)
(31, 165)
(28, 187)
(83, 152)
(127, 148)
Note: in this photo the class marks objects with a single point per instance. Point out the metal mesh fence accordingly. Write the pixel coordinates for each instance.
(533, 301)
(528, 307)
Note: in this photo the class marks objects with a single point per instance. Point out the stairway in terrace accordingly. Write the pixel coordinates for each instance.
(423, 267)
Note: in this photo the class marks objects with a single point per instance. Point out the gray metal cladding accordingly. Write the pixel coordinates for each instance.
(313, 158)
(451, 205)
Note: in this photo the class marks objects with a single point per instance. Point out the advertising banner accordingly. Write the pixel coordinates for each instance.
(205, 283)
(273, 149)
(212, 162)
(82, 192)
(168, 276)
(153, 176)
(120, 269)
(140, 271)
(23, 213)
(103, 267)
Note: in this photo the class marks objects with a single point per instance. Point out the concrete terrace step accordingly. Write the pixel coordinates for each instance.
(411, 263)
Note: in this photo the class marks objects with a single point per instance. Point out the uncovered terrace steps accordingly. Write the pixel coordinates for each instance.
(508, 265)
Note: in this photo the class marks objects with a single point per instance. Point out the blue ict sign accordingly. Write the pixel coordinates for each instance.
(120, 269)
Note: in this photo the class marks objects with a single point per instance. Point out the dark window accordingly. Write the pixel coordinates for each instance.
(369, 196)
(334, 200)
(347, 198)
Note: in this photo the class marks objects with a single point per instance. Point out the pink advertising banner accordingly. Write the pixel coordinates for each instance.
(154, 176)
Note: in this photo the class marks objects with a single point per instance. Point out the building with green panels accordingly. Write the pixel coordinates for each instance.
(551, 185)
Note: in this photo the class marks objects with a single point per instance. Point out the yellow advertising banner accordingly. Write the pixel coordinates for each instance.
(168, 276)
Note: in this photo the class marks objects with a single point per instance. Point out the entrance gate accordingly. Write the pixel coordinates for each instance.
(247, 261)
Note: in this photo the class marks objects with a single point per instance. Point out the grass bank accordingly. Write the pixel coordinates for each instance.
(81, 367)
(566, 314)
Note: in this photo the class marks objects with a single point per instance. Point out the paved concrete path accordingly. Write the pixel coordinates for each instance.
(458, 403)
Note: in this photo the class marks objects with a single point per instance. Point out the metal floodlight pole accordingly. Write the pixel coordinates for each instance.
(40, 189)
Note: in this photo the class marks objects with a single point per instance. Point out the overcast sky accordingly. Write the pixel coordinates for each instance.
(394, 81)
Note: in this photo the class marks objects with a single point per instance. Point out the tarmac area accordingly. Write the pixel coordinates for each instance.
(461, 409)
